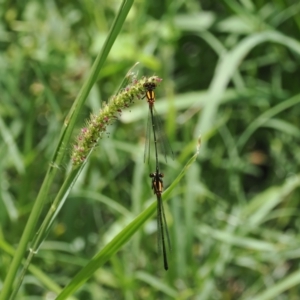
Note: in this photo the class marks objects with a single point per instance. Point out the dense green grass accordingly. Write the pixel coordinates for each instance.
(230, 73)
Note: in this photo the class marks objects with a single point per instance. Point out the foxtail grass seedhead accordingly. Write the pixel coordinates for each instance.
(97, 124)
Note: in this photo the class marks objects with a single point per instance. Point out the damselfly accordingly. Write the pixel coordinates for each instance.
(156, 124)
(162, 226)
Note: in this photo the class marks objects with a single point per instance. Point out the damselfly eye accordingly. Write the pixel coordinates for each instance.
(149, 85)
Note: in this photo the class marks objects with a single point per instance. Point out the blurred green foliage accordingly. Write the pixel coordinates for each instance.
(230, 69)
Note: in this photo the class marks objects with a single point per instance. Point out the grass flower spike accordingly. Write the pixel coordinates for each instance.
(97, 124)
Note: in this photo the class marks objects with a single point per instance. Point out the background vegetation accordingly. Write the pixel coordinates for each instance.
(230, 71)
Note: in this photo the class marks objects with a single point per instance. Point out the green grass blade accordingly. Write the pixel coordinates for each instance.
(41, 276)
(157, 284)
(266, 116)
(44, 229)
(60, 151)
(12, 147)
(235, 240)
(280, 287)
(227, 67)
(112, 247)
(261, 205)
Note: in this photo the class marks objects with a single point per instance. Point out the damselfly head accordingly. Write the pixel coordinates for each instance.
(156, 174)
(149, 86)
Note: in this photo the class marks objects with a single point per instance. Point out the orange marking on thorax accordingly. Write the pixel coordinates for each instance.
(149, 87)
(157, 184)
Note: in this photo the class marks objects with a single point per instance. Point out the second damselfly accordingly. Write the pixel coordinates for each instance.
(162, 226)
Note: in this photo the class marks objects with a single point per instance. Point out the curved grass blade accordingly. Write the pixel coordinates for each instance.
(228, 65)
(266, 116)
(120, 239)
(64, 139)
(280, 287)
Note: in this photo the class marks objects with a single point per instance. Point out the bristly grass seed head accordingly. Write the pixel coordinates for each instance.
(97, 124)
